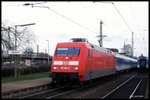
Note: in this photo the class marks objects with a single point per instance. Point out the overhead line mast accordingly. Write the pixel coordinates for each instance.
(132, 44)
(101, 36)
(101, 39)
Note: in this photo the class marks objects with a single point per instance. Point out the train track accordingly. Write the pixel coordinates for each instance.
(129, 89)
(44, 94)
(52, 93)
(60, 91)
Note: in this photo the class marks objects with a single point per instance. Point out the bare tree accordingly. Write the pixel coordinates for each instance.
(25, 37)
(6, 38)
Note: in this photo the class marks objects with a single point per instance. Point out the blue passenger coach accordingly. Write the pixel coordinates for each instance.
(124, 62)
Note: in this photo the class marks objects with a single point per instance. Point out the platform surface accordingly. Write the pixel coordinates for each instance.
(24, 84)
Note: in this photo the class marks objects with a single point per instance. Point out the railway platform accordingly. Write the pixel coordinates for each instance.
(12, 86)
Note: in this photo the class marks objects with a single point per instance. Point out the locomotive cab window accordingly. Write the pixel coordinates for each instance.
(68, 51)
(61, 51)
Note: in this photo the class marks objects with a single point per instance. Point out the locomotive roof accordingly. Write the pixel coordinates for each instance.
(142, 57)
(102, 49)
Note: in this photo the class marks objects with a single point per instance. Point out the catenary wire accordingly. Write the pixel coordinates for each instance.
(122, 17)
(27, 4)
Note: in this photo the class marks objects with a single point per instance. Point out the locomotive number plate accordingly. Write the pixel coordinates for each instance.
(65, 63)
(65, 67)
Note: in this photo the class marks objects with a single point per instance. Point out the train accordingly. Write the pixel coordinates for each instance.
(143, 64)
(81, 61)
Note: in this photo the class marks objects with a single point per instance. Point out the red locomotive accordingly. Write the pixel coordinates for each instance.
(80, 61)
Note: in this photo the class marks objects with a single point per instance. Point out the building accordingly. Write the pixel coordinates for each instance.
(35, 58)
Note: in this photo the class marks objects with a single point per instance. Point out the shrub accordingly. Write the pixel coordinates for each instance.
(9, 71)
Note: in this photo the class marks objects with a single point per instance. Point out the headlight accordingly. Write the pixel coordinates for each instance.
(75, 68)
(55, 67)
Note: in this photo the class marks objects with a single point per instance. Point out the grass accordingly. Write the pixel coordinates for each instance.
(25, 77)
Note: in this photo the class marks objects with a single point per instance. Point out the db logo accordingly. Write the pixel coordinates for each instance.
(65, 63)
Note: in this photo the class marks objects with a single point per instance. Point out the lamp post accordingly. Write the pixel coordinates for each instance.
(48, 51)
(16, 43)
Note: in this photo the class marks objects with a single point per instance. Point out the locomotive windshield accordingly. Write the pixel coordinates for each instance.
(68, 51)
(143, 63)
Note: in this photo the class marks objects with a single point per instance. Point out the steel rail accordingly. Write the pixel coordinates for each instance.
(41, 92)
(118, 87)
(135, 89)
(62, 93)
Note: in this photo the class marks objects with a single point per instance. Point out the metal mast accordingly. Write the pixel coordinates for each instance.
(101, 38)
(132, 44)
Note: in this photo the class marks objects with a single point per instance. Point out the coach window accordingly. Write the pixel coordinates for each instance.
(88, 54)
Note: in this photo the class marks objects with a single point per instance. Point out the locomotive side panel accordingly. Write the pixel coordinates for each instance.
(101, 64)
(82, 63)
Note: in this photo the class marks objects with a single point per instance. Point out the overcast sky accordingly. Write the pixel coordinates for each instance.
(83, 21)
